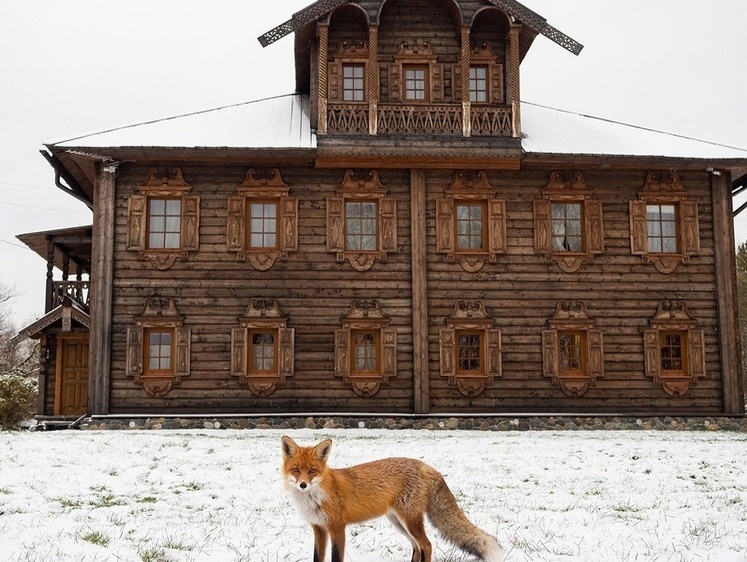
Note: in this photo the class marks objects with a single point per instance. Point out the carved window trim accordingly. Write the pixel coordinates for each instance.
(269, 189)
(165, 187)
(347, 54)
(158, 314)
(572, 318)
(483, 55)
(665, 189)
(465, 188)
(470, 317)
(366, 316)
(419, 53)
(568, 188)
(262, 315)
(362, 190)
(674, 317)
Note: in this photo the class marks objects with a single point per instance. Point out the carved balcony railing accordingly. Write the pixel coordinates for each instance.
(77, 291)
(347, 118)
(420, 119)
(491, 121)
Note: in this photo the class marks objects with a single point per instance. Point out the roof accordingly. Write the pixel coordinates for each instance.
(75, 242)
(68, 309)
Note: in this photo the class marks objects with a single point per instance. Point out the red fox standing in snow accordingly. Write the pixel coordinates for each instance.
(402, 489)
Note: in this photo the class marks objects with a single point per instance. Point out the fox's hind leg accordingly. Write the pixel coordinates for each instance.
(416, 556)
(412, 527)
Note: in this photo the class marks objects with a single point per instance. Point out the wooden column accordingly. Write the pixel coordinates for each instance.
(373, 79)
(726, 287)
(50, 276)
(421, 371)
(513, 77)
(465, 66)
(101, 291)
(323, 77)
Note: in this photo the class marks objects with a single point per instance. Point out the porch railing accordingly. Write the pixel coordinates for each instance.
(78, 291)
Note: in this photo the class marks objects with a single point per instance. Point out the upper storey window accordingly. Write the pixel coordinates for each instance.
(416, 83)
(478, 84)
(353, 83)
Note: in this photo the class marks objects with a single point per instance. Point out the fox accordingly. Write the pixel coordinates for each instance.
(403, 490)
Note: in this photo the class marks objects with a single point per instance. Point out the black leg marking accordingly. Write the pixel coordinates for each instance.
(335, 554)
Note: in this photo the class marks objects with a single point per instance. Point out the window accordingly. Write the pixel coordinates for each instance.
(365, 348)
(416, 83)
(415, 76)
(470, 348)
(568, 226)
(163, 222)
(262, 220)
(353, 82)
(664, 226)
(471, 222)
(572, 354)
(674, 350)
(262, 346)
(478, 84)
(160, 350)
(486, 83)
(361, 222)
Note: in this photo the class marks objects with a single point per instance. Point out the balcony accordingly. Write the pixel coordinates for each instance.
(77, 291)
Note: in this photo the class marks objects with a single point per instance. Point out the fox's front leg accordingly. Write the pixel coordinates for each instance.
(320, 543)
(337, 536)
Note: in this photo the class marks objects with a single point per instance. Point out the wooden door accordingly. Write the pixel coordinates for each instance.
(71, 390)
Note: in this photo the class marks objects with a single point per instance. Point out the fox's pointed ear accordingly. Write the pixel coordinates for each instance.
(322, 450)
(289, 447)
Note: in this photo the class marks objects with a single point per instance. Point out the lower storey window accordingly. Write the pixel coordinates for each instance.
(160, 351)
(470, 353)
(366, 351)
(571, 346)
(673, 351)
(263, 352)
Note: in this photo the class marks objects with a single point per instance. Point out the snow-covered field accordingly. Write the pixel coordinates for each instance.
(217, 496)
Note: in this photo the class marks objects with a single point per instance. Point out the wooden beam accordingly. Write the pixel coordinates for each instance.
(421, 371)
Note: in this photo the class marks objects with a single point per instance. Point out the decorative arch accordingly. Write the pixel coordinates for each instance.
(452, 5)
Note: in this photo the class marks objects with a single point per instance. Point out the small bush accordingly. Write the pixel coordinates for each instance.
(17, 400)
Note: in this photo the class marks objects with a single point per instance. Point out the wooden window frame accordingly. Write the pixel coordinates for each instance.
(361, 190)
(164, 233)
(262, 316)
(354, 370)
(583, 351)
(365, 317)
(674, 317)
(361, 235)
(158, 314)
(357, 65)
(408, 92)
(353, 53)
(476, 81)
(568, 187)
(147, 333)
(481, 357)
(251, 348)
(572, 318)
(471, 188)
(470, 317)
(138, 222)
(484, 220)
(682, 334)
(263, 233)
(665, 189)
(265, 188)
(566, 221)
(483, 55)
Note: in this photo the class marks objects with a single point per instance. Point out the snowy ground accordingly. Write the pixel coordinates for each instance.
(216, 496)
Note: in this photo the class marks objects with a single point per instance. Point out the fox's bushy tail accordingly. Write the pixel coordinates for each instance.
(445, 515)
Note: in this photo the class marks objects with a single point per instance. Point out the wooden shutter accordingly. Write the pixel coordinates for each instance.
(388, 353)
(335, 224)
(334, 72)
(542, 226)
(395, 82)
(286, 342)
(456, 82)
(388, 221)
(696, 353)
(651, 352)
(495, 363)
(447, 352)
(497, 88)
(445, 226)
(239, 352)
(289, 224)
(134, 351)
(181, 363)
(137, 219)
(497, 226)
(236, 229)
(550, 353)
(690, 229)
(342, 364)
(596, 354)
(437, 83)
(638, 228)
(191, 223)
(595, 227)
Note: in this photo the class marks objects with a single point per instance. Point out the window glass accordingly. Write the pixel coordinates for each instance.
(365, 351)
(360, 225)
(566, 227)
(352, 82)
(263, 225)
(662, 228)
(470, 226)
(262, 351)
(672, 352)
(159, 350)
(478, 84)
(571, 347)
(164, 223)
(469, 355)
(415, 83)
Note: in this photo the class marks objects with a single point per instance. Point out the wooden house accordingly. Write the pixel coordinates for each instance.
(401, 235)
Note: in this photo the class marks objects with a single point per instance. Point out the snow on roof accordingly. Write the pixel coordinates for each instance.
(283, 122)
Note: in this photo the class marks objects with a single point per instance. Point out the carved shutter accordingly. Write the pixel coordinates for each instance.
(238, 352)
(334, 70)
(395, 82)
(191, 223)
(456, 82)
(388, 221)
(236, 229)
(690, 229)
(286, 341)
(638, 228)
(289, 234)
(181, 364)
(497, 90)
(542, 226)
(497, 226)
(595, 226)
(550, 353)
(134, 351)
(495, 363)
(342, 365)
(696, 342)
(335, 225)
(388, 353)
(651, 352)
(445, 226)
(437, 83)
(596, 354)
(447, 352)
(137, 222)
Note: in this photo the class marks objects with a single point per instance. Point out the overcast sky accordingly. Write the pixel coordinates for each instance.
(78, 66)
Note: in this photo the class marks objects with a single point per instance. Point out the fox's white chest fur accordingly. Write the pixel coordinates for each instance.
(308, 502)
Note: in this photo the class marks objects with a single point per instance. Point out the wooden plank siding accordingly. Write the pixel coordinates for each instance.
(212, 290)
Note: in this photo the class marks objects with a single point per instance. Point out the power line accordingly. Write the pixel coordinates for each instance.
(43, 208)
